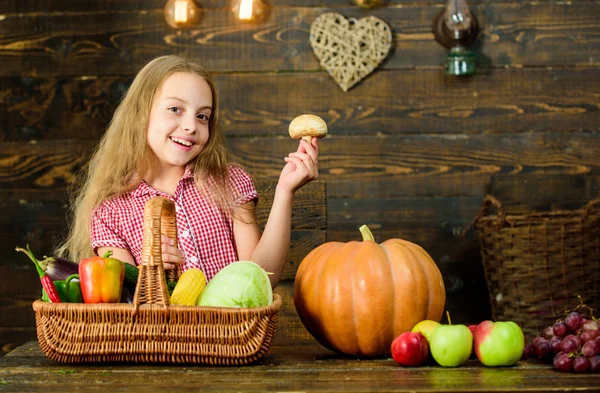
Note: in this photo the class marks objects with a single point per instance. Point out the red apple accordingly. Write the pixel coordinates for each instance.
(472, 328)
(410, 349)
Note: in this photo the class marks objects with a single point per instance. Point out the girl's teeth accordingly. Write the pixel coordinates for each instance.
(181, 142)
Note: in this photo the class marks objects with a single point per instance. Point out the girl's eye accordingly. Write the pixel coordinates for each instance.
(202, 116)
(175, 109)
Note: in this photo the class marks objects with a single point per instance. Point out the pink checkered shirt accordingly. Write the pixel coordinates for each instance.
(204, 232)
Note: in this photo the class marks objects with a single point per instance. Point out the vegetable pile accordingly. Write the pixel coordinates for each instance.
(242, 284)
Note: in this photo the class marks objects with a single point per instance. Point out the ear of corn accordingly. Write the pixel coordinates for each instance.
(189, 287)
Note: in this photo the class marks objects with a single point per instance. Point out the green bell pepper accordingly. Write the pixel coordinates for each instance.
(68, 290)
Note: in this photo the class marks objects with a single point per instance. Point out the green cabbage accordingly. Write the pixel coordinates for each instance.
(240, 284)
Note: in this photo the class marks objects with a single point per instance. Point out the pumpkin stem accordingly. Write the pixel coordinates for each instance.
(448, 316)
(366, 233)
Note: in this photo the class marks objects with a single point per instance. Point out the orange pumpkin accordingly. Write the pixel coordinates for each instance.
(356, 297)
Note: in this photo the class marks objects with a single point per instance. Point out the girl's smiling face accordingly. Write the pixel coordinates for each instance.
(179, 118)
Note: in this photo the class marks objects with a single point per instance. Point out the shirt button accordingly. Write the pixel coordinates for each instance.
(185, 233)
(193, 259)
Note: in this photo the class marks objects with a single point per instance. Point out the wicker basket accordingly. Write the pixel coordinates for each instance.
(151, 330)
(536, 264)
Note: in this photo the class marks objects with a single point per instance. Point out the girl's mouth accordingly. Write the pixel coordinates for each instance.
(182, 144)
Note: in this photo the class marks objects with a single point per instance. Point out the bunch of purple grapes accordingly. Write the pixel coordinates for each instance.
(572, 344)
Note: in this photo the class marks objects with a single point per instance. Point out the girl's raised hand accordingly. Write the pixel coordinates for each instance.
(171, 255)
(302, 166)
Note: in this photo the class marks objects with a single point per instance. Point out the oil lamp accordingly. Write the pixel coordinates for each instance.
(182, 14)
(455, 28)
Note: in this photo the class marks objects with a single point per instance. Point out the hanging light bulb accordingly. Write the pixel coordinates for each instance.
(368, 3)
(456, 28)
(182, 13)
(250, 10)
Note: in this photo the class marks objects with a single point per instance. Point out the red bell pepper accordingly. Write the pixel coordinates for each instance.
(101, 279)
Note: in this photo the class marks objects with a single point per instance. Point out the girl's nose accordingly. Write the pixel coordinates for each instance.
(189, 124)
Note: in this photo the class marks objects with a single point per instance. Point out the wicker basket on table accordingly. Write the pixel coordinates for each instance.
(537, 264)
(149, 329)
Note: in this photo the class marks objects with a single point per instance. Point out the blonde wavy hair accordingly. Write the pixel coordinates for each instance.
(113, 171)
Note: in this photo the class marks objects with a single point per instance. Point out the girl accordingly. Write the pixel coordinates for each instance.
(164, 140)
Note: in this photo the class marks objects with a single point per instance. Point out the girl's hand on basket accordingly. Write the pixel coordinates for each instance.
(171, 255)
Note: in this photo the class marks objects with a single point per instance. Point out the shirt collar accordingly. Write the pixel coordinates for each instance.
(144, 188)
(188, 173)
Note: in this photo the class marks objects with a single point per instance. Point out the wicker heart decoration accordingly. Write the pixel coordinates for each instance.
(349, 49)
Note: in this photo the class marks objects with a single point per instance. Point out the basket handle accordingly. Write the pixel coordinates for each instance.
(487, 201)
(588, 208)
(159, 218)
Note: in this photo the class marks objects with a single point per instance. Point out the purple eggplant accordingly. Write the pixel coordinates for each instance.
(59, 268)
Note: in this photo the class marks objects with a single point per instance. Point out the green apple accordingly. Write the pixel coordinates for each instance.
(426, 328)
(451, 345)
(499, 343)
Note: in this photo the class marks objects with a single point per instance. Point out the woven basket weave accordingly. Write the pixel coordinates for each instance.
(536, 264)
(151, 330)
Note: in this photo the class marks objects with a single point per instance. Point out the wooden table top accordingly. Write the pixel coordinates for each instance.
(298, 367)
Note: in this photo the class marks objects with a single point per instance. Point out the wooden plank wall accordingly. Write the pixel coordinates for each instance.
(411, 151)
